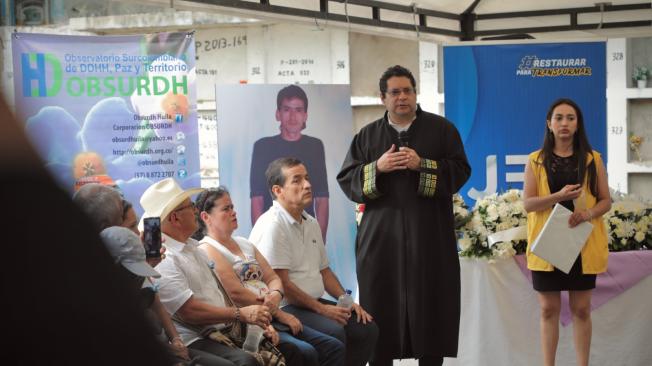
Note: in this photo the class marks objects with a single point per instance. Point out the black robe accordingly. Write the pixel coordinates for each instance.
(406, 253)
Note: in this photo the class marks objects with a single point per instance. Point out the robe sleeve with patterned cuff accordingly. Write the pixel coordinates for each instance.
(448, 173)
(369, 186)
(427, 178)
(359, 175)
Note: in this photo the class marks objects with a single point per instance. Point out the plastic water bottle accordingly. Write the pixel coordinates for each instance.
(345, 300)
(254, 336)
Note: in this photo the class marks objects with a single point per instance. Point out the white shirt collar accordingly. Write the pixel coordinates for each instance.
(286, 214)
(177, 246)
(398, 127)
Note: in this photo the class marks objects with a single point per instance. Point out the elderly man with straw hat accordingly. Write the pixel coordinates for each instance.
(187, 287)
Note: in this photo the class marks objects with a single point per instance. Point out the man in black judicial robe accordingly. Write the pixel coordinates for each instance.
(406, 253)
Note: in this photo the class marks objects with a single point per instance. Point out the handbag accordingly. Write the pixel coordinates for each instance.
(234, 334)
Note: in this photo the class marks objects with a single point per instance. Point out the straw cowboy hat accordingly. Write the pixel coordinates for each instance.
(162, 197)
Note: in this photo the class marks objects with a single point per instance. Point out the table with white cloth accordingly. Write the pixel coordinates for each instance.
(499, 323)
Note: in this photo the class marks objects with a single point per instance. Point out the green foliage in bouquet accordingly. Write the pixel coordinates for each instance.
(461, 211)
(468, 240)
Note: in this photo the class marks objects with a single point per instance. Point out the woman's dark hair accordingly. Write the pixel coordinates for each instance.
(581, 147)
(205, 202)
(126, 205)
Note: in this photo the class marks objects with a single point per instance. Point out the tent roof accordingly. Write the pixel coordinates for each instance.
(443, 19)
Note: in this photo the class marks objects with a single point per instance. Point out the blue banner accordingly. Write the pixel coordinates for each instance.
(119, 110)
(498, 97)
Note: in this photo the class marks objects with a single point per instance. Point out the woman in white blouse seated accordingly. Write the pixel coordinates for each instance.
(250, 280)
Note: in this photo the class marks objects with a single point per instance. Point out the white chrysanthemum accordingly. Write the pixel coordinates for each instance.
(503, 250)
(482, 232)
(640, 226)
(619, 230)
(629, 228)
(476, 222)
(492, 213)
(512, 195)
(503, 226)
(617, 206)
(489, 200)
(606, 221)
(615, 221)
(504, 211)
(640, 236)
(458, 200)
(482, 203)
(460, 211)
(464, 243)
(518, 208)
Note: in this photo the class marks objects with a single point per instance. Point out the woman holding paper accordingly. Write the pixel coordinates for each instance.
(566, 170)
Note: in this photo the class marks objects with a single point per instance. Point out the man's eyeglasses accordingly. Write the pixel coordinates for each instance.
(396, 92)
(191, 205)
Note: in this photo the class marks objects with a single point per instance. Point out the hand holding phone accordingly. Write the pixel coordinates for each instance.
(152, 237)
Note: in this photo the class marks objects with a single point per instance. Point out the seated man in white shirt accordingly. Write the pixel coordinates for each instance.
(187, 287)
(291, 241)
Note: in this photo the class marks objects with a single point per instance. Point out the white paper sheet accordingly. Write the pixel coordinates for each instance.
(559, 244)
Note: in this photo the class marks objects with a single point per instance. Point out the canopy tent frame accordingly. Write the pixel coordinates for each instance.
(467, 20)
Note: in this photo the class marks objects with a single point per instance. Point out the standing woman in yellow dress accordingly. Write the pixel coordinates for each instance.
(566, 171)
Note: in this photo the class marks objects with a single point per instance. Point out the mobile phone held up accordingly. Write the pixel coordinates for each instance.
(152, 237)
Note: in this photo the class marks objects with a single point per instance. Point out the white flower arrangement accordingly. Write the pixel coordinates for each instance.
(490, 215)
(461, 211)
(630, 226)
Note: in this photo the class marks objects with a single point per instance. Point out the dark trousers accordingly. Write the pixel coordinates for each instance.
(214, 353)
(359, 339)
(313, 348)
(293, 354)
